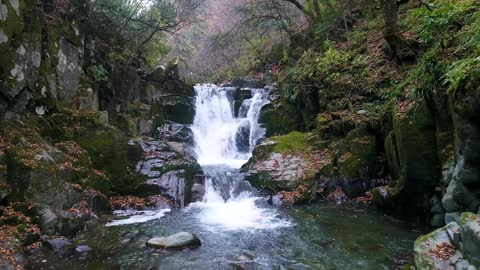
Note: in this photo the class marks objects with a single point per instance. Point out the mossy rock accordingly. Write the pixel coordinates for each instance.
(361, 153)
(292, 142)
(279, 119)
(419, 169)
(109, 151)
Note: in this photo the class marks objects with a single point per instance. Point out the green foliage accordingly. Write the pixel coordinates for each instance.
(444, 16)
(98, 72)
(324, 67)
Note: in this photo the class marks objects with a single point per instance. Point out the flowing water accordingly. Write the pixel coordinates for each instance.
(238, 228)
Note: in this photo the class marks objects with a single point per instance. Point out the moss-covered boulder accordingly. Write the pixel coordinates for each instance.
(286, 164)
(279, 118)
(57, 179)
(357, 157)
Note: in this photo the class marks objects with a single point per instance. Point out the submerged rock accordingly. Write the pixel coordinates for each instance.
(180, 240)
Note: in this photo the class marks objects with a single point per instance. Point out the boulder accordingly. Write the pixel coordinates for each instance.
(285, 163)
(168, 172)
(455, 246)
(177, 241)
(279, 118)
(56, 243)
(357, 156)
(428, 248)
(174, 132)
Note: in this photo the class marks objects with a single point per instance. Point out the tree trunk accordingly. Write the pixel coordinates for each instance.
(398, 45)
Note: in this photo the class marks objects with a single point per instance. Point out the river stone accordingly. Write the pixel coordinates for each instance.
(180, 240)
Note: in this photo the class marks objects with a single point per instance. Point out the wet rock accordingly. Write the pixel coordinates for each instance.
(56, 243)
(241, 101)
(242, 138)
(83, 249)
(198, 193)
(169, 173)
(172, 131)
(177, 241)
(244, 261)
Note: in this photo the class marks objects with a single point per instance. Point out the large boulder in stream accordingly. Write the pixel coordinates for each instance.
(285, 164)
(168, 172)
(455, 246)
(177, 241)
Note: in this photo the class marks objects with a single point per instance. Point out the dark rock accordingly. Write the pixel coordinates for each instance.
(247, 83)
(157, 75)
(172, 131)
(21, 101)
(415, 151)
(461, 194)
(242, 138)
(177, 241)
(241, 99)
(198, 193)
(278, 119)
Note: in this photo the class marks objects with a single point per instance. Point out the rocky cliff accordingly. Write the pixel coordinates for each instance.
(67, 117)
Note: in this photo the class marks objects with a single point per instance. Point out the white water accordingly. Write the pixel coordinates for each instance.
(136, 216)
(215, 129)
(215, 126)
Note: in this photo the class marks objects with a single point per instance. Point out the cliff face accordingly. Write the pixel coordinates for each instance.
(66, 119)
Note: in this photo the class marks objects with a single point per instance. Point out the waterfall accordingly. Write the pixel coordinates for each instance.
(218, 133)
(223, 143)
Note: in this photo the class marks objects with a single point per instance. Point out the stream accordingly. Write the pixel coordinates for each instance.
(237, 226)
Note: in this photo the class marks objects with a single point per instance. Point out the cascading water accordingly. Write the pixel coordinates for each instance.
(217, 130)
(220, 138)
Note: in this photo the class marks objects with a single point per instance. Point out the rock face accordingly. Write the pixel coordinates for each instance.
(173, 132)
(50, 177)
(177, 241)
(275, 169)
(300, 165)
(455, 246)
(464, 174)
(169, 173)
(242, 138)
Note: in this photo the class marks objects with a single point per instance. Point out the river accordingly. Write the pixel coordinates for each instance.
(237, 227)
